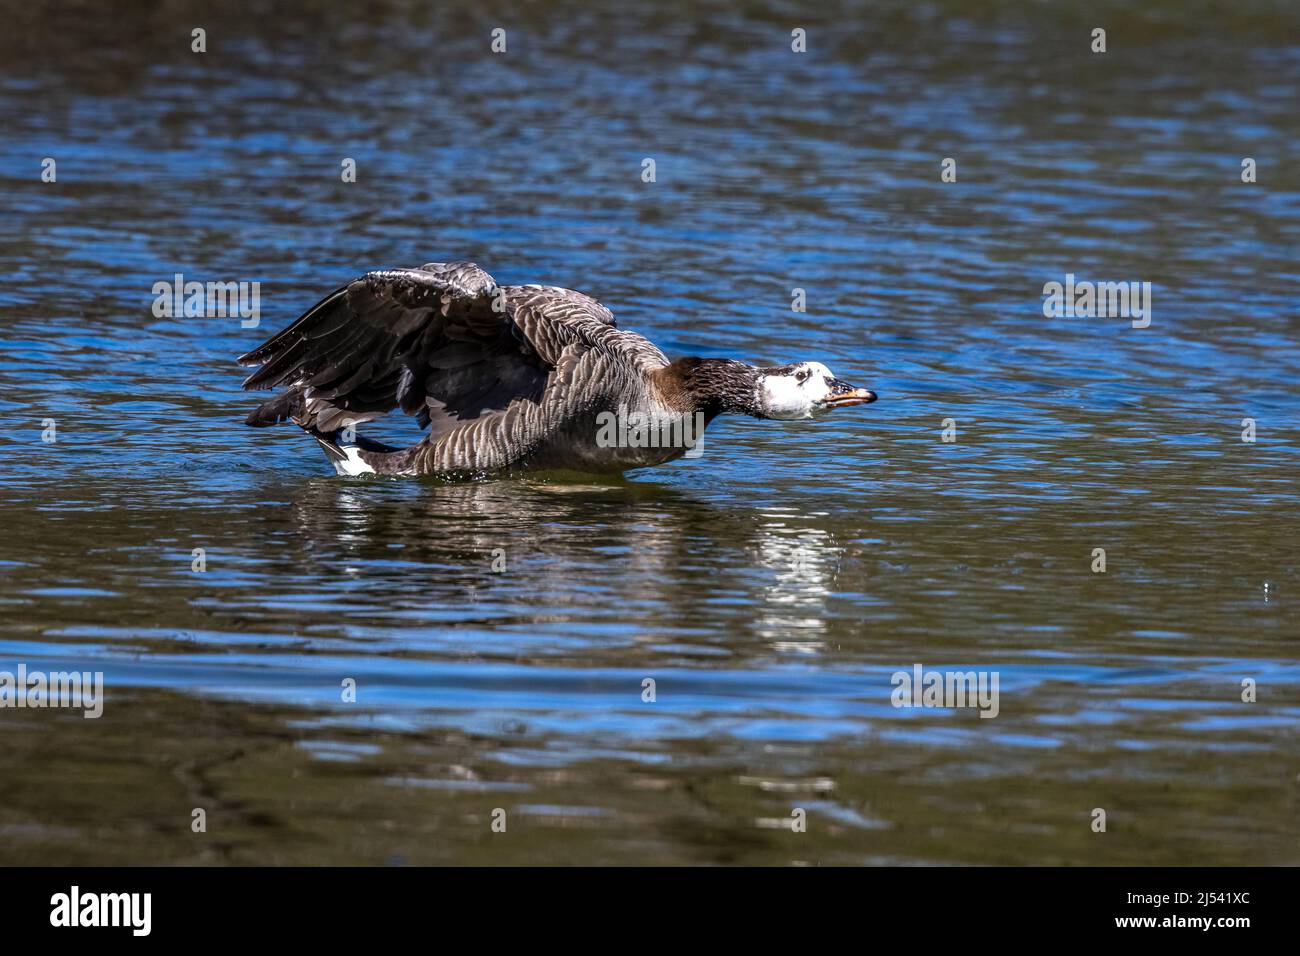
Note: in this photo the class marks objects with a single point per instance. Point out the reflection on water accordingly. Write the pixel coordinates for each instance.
(803, 561)
(500, 635)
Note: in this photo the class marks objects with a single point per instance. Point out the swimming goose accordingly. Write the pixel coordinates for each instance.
(505, 379)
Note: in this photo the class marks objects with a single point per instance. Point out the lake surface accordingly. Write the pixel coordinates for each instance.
(770, 588)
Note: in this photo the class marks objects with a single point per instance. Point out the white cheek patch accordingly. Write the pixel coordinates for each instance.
(786, 399)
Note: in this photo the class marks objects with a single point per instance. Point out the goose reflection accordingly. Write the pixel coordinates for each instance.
(620, 563)
(804, 560)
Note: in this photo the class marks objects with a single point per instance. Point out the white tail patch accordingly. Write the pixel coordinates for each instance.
(352, 464)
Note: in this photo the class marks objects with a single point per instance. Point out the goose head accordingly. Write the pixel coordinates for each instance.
(781, 392)
(804, 390)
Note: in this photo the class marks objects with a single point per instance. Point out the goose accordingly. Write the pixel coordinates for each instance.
(505, 379)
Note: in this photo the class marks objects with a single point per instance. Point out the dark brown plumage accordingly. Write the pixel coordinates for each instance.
(503, 377)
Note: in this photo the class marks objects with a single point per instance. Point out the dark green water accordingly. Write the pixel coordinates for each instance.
(771, 587)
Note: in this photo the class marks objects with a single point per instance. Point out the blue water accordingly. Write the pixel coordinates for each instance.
(769, 588)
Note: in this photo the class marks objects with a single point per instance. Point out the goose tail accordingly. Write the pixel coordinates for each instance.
(346, 459)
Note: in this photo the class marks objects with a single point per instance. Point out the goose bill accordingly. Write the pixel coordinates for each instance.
(842, 395)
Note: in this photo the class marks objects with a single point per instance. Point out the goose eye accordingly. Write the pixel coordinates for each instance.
(802, 376)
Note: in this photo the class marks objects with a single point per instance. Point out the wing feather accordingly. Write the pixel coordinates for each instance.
(444, 343)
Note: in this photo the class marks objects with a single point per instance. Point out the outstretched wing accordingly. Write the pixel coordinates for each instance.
(443, 342)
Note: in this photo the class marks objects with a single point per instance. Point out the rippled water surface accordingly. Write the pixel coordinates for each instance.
(769, 588)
